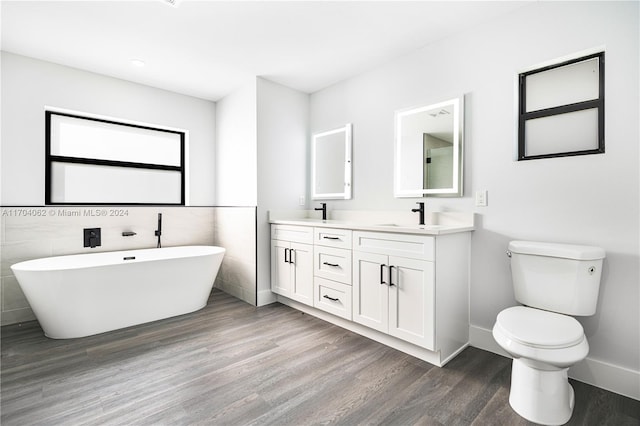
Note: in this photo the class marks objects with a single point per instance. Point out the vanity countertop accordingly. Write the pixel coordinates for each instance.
(398, 228)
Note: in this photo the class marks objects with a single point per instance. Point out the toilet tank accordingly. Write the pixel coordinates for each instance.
(555, 277)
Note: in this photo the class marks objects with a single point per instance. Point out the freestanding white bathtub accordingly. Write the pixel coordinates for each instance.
(80, 295)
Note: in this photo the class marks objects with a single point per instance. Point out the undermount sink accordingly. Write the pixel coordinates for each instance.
(410, 226)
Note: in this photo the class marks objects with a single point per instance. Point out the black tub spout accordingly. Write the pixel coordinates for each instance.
(159, 230)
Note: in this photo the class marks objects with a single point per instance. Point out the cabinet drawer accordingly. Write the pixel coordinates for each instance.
(298, 234)
(404, 245)
(332, 263)
(332, 297)
(339, 238)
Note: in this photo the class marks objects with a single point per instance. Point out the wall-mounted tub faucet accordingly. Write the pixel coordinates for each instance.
(324, 210)
(159, 230)
(421, 211)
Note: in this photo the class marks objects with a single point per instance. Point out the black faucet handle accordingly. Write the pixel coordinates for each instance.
(92, 237)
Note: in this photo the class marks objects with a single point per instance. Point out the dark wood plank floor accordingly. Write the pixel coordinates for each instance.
(234, 364)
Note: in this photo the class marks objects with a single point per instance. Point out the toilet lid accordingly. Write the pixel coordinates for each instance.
(543, 329)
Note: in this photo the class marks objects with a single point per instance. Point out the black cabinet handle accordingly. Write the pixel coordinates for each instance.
(382, 274)
(333, 299)
(292, 256)
(330, 264)
(391, 284)
(331, 238)
(286, 251)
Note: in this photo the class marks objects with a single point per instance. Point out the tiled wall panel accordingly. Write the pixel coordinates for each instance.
(236, 232)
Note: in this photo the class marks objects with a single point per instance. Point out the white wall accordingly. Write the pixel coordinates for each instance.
(261, 147)
(283, 141)
(585, 200)
(236, 152)
(28, 85)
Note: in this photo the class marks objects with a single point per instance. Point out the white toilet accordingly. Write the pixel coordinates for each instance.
(553, 281)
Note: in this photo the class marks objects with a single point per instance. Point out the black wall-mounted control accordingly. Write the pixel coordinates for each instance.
(92, 237)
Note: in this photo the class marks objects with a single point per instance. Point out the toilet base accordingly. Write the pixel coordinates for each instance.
(541, 396)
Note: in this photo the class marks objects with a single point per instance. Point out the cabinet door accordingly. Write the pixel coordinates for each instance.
(281, 281)
(370, 290)
(411, 301)
(302, 273)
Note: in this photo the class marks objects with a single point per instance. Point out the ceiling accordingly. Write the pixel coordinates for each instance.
(208, 49)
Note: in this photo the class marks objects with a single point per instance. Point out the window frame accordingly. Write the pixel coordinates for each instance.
(597, 103)
(50, 158)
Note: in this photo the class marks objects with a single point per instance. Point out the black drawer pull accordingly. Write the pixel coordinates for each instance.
(330, 264)
(334, 299)
(331, 238)
(382, 274)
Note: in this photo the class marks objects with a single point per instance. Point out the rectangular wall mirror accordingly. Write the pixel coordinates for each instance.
(331, 164)
(428, 150)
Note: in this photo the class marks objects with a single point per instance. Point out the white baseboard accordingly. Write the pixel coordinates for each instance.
(597, 373)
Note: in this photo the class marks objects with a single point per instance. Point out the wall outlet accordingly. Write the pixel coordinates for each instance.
(301, 200)
(482, 198)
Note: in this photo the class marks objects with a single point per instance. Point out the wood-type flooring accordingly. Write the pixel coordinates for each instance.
(234, 364)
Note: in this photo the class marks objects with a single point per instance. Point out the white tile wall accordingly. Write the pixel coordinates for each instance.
(34, 232)
(236, 232)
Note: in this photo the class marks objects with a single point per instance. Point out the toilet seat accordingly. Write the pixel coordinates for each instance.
(540, 329)
(554, 340)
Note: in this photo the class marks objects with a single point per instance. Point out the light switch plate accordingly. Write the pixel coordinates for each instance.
(482, 198)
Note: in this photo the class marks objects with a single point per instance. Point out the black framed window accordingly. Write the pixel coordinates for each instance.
(97, 161)
(561, 109)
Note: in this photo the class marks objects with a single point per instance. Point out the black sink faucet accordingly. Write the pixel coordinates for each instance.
(421, 211)
(324, 210)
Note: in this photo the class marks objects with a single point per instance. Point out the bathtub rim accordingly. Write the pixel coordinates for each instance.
(116, 257)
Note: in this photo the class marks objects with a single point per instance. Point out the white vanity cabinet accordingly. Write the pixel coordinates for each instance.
(391, 293)
(395, 295)
(413, 287)
(408, 289)
(292, 262)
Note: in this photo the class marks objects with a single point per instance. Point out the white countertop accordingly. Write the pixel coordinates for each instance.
(381, 227)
